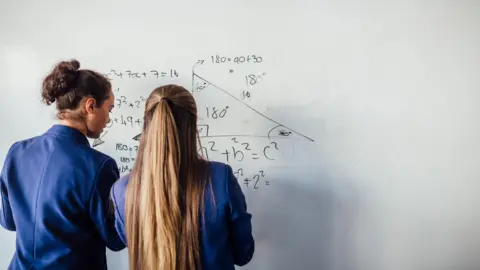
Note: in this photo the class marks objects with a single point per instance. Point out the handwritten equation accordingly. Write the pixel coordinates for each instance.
(125, 121)
(221, 59)
(134, 103)
(254, 146)
(239, 151)
(135, 74)
(127, 156)
(255, 180)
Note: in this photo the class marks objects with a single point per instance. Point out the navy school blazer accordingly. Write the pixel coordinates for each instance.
(55, 196)
(226, 236)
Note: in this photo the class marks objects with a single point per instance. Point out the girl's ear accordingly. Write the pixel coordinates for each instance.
(90, 105)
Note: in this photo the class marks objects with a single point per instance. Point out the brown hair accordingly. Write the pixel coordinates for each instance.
(68, 85)
(165, 193)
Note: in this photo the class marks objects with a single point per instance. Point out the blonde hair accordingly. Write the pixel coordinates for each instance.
(165, 192)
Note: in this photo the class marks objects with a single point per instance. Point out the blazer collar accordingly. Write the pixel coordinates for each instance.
(66, 131)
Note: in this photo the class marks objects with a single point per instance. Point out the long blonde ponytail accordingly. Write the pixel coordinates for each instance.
(166, 188)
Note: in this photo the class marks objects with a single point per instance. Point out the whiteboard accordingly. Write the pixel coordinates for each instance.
(351, 125)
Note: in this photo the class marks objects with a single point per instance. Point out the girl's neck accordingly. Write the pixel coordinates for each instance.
(73, 124)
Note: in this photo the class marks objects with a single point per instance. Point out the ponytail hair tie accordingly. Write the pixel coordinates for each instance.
(169, 101)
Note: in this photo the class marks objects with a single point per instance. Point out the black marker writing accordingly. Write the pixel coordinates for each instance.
(212, 144)
(133, 74)
(200, 86)
(255, 181)
(239, 150)
(125, 121)
(215, 113)
(124, 168)
(218, 59)
(123, 101)
(253, 79)
(126, 159)
(245, 95)
(237, 154)
(238, 173)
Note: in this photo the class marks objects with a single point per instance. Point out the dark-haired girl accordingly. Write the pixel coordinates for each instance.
(55, 187)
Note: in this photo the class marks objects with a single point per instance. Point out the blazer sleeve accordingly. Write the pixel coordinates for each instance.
(117, 203)
(102, 208)
(6, 215)
(240, 227)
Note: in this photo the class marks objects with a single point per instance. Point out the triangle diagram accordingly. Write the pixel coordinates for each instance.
(221, 114)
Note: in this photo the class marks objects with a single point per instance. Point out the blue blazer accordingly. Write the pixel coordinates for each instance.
(226, 238)
(55, 194)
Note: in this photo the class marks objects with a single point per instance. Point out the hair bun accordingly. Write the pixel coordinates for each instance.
(60, 81)
(72, 65)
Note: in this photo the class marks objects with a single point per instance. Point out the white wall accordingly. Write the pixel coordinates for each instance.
(388, 91)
